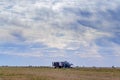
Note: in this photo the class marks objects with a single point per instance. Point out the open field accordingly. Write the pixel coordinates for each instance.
(38, 73)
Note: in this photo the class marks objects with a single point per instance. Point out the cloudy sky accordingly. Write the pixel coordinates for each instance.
(37, 32)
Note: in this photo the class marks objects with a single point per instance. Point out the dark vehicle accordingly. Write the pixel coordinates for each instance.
(64, 64)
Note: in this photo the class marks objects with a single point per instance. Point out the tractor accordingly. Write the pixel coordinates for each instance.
(63, 64)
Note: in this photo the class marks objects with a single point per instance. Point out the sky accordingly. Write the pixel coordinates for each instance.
(38, 32)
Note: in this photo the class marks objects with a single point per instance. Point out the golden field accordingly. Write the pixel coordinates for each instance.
(41, 73)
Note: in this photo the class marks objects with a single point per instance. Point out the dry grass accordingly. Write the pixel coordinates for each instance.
(22, 73)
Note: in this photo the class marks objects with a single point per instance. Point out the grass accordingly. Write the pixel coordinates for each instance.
(38, 73)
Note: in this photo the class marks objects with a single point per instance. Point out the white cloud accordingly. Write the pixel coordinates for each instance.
(115, 50)
(5, 36)
(38, 55)
(91, 54)
(47, 22)
(91, 50)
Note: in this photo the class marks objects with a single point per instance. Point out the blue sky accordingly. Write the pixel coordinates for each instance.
(37, 32)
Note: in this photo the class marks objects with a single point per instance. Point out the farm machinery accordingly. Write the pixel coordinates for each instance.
(63, 64)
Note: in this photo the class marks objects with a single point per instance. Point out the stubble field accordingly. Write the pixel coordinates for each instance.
(39, 73)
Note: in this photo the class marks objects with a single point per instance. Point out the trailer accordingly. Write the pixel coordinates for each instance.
(63, 64)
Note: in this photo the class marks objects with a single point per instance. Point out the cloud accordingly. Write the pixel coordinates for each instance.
(24, 54)
(60, 24)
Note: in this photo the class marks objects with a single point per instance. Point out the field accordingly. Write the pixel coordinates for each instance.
(40, 73)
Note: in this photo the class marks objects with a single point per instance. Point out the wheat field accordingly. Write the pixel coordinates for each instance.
(41, 73)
